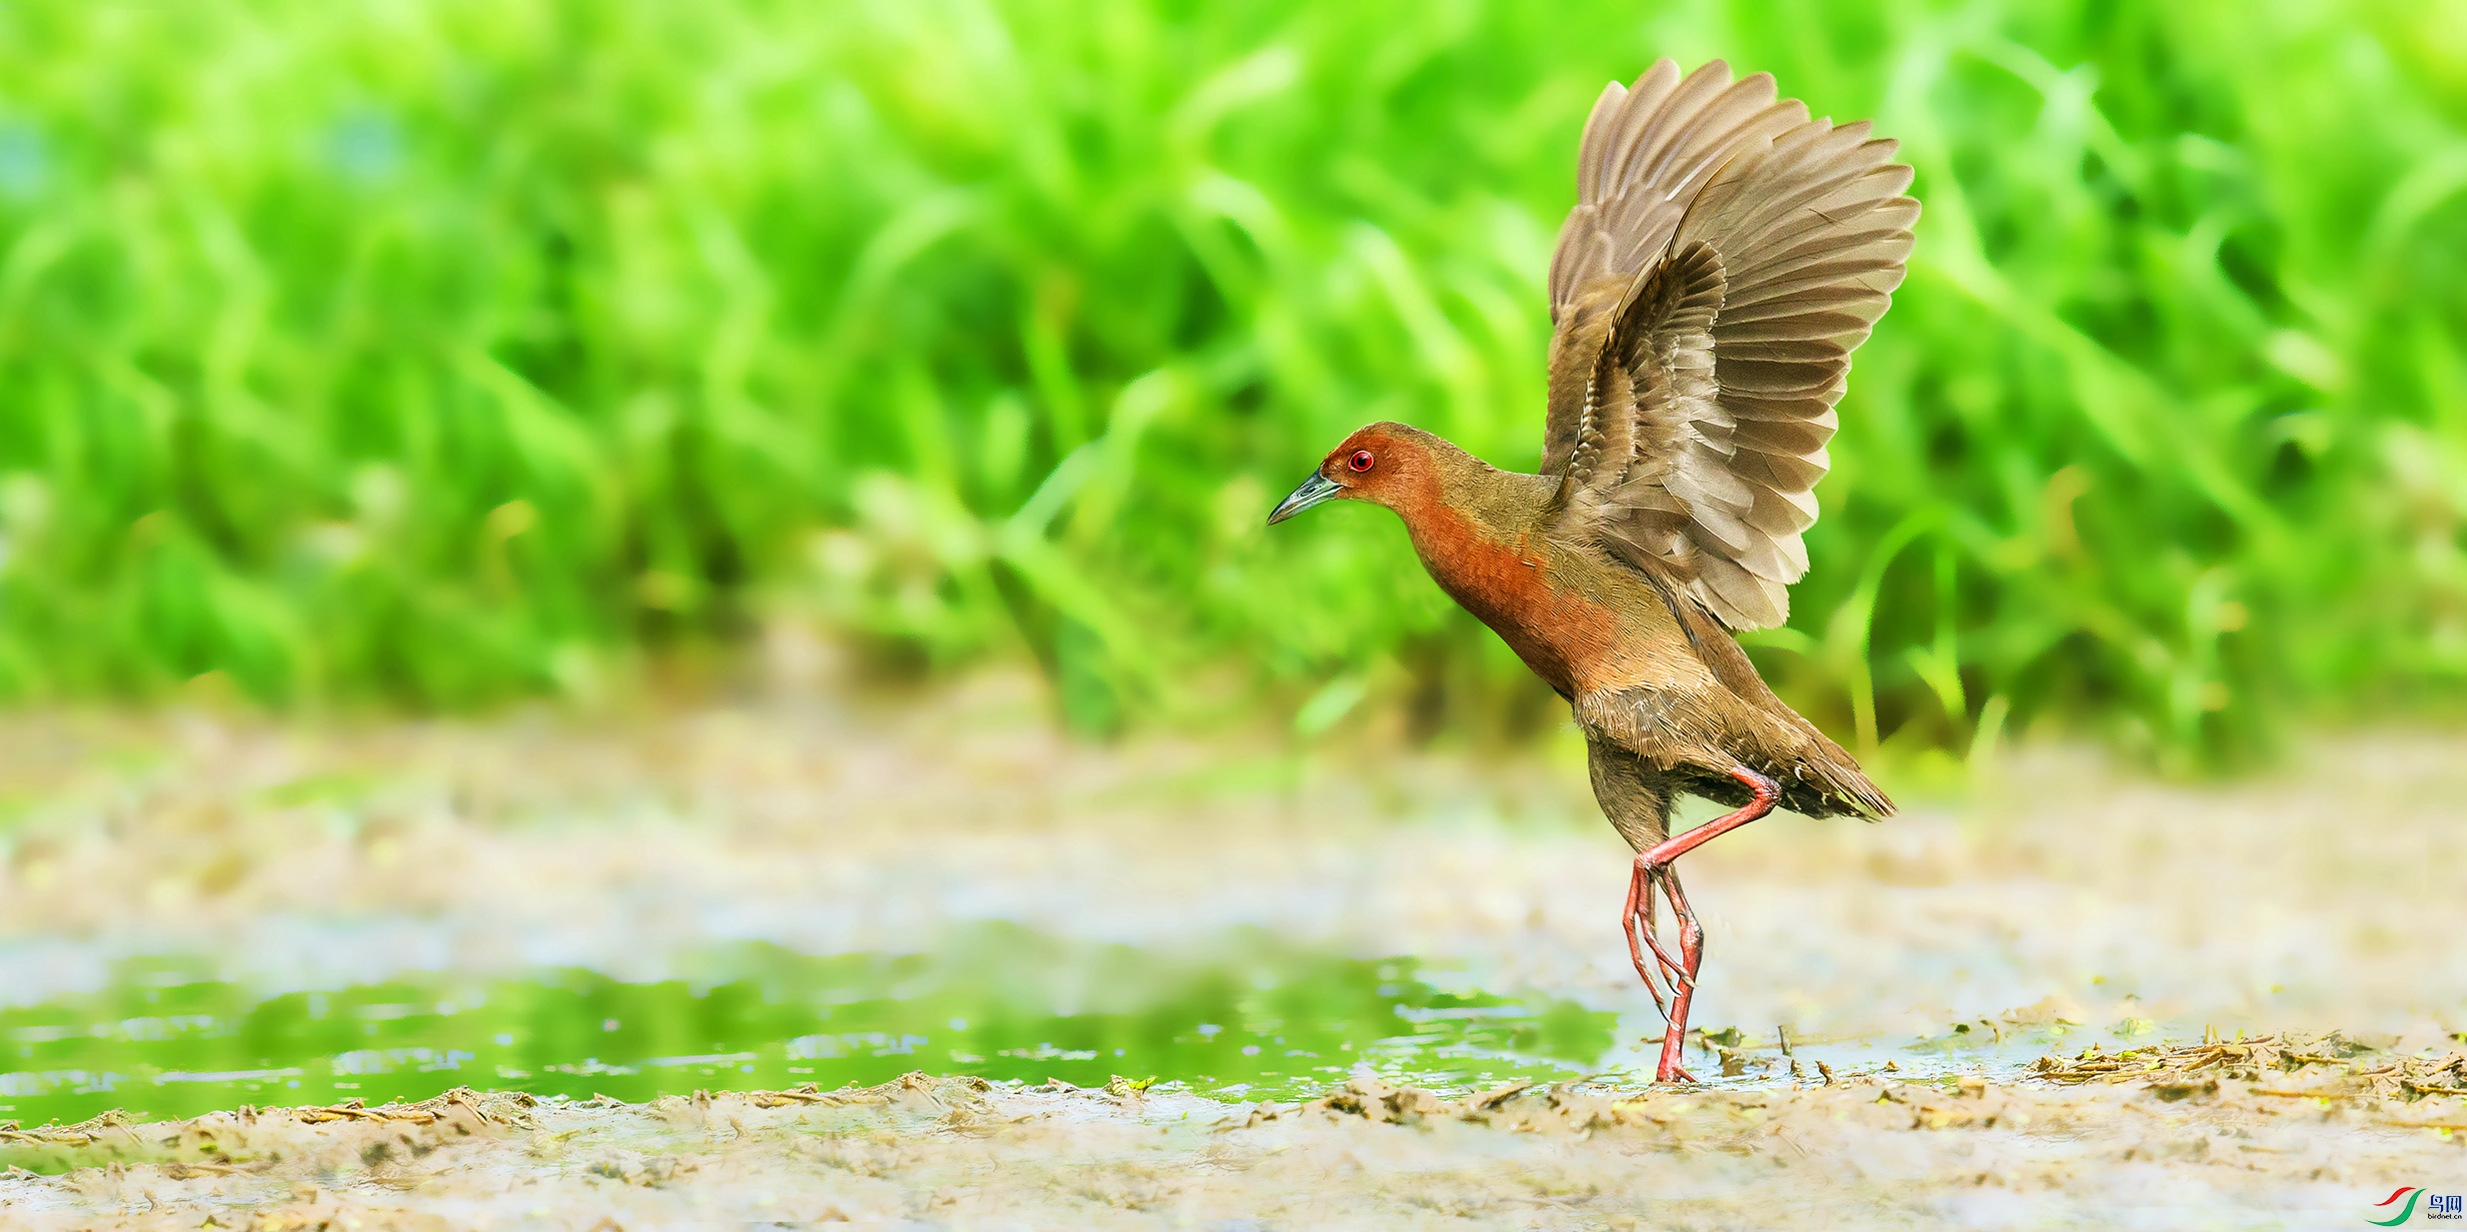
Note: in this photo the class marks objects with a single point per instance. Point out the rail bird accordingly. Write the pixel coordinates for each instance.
(1725, 256)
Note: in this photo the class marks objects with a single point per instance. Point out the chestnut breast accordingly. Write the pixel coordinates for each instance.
(1517, 584)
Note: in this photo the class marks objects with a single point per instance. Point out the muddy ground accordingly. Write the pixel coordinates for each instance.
(1861, 1153)
(2051, 896)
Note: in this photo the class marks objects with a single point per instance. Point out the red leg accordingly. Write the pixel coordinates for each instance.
(1692, 956)
(1640, 902)
(1766, 793)
(1653, 867)
(1636, 922)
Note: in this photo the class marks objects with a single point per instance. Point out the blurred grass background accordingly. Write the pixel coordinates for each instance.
(430, 354)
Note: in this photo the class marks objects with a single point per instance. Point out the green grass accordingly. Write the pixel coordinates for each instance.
(439, 353)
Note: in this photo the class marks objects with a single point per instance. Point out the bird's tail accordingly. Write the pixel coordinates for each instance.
(1844, 787)
(1863, 795)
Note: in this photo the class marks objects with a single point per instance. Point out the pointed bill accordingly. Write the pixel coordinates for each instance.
(1314, 490)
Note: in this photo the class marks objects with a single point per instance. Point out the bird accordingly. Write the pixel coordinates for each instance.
(1725, 255)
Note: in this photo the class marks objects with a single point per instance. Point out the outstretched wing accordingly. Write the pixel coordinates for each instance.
(1725, 256)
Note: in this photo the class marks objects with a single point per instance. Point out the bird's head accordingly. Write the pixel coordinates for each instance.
(1385, 463)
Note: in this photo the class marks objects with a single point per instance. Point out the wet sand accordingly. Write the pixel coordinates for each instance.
(2049, 902)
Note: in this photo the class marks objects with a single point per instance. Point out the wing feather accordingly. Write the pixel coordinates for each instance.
(1725, 256)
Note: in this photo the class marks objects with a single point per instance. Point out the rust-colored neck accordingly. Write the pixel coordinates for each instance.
(1459, 510)
(1474, 528)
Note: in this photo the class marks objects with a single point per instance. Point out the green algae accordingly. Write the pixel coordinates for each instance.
(1258, 1019)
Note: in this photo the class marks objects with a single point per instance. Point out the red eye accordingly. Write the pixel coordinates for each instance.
(1360, 461)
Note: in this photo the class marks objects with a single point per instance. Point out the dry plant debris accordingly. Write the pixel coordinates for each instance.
(911, 1086)
(83, 1133)
(494, 1109)
(500, 1109)
(2327, 1066)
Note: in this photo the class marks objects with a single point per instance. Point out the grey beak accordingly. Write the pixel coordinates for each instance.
(1314, 490)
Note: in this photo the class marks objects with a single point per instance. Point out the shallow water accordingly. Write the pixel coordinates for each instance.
(1256, 1019)
(1262, 1020)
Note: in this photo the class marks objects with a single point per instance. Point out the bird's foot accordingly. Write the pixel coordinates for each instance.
(1667, 1069)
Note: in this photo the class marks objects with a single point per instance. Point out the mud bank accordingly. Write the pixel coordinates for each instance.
(1860, 1152)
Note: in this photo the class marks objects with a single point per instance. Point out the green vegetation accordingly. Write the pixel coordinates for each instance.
(435, 353)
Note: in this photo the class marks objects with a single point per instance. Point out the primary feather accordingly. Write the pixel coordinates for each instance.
(1725, 256)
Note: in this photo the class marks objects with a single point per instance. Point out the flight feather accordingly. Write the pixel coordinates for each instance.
(1725, 256)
